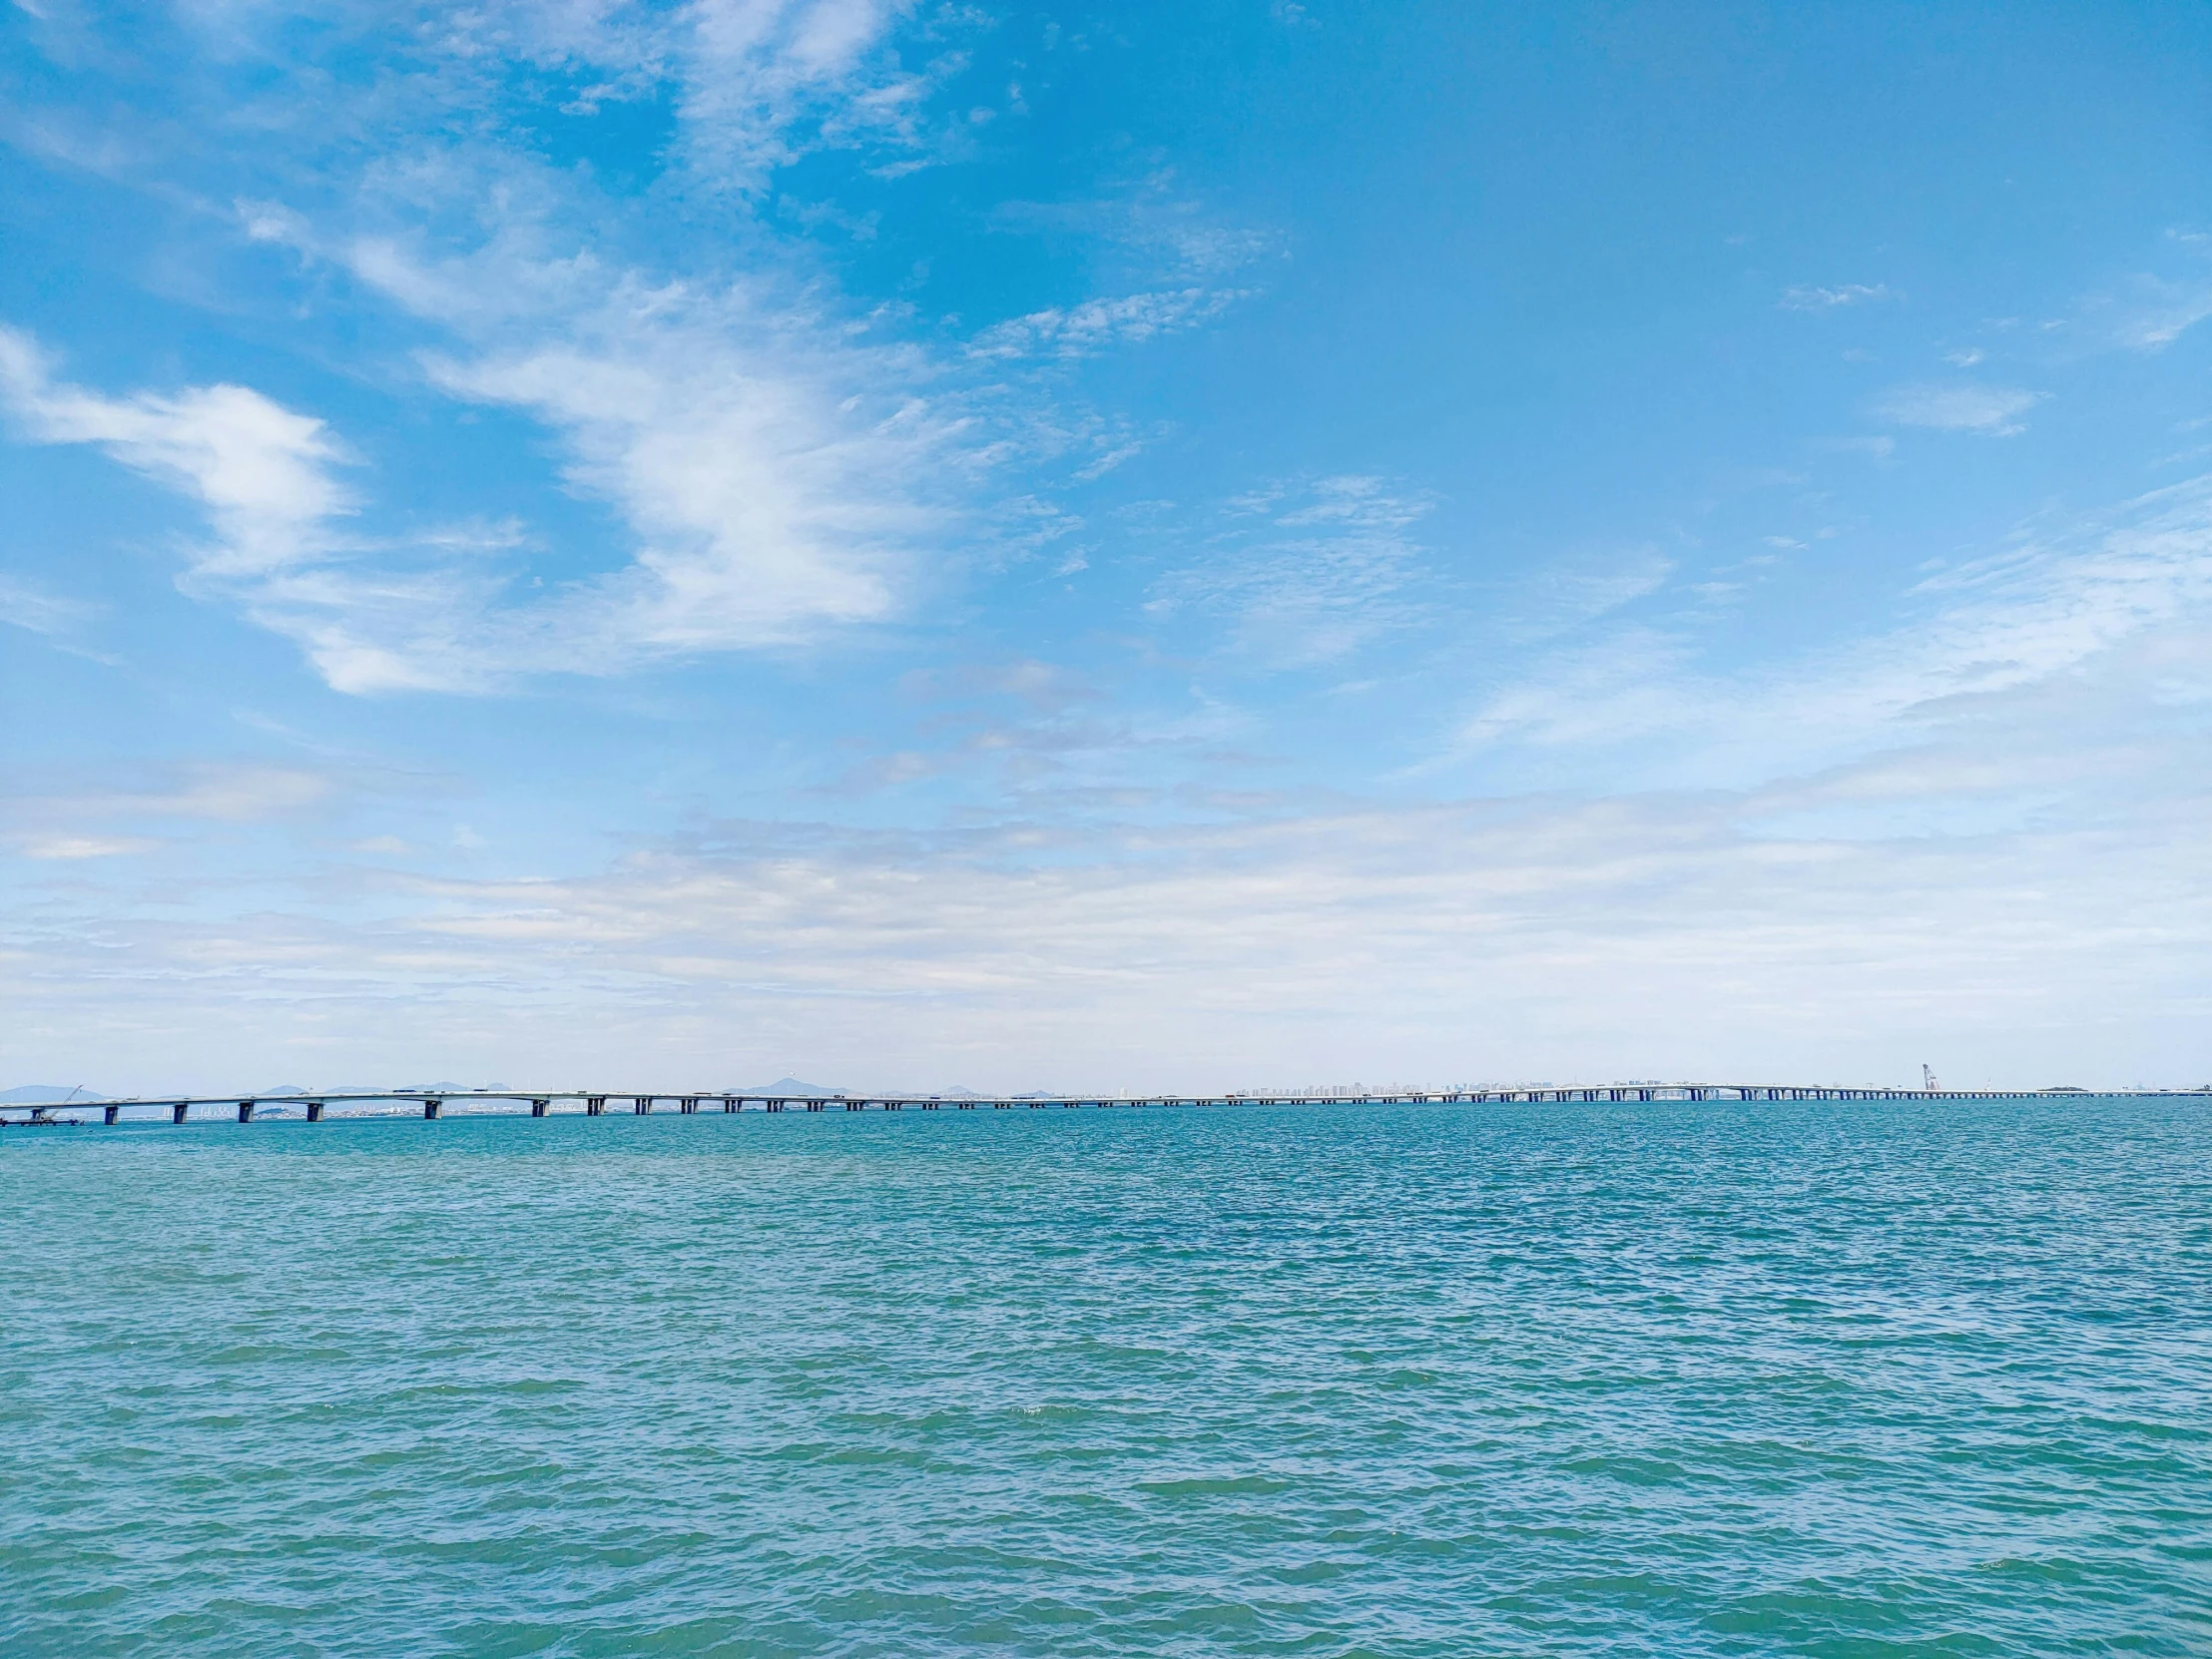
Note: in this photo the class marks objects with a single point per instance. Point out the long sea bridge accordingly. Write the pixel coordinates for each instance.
(318, 1108)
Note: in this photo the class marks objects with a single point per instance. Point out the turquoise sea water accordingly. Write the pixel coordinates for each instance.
(1632, 1379)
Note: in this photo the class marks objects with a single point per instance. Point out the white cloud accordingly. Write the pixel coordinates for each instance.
(1468, 940)
(1152, 225)
(1947, 408)
(59, 848)
(1879, 448)
(263, 474)
(1320, 572)
(777, 474)
(754, 83)
(773, 487)
(92, 822)
(1577, 588)
(1999, 627)
(1809, 298)
(1097, 324)
(2157, 312)
(230, 793)
(772, 477)
(758, 74)
(31, 607)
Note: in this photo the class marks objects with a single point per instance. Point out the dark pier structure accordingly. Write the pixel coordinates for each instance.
(549, 1102)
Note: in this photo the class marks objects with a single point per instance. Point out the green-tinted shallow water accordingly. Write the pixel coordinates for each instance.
(1661, 1379)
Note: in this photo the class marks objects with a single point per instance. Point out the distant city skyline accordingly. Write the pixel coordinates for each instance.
(1022, 549)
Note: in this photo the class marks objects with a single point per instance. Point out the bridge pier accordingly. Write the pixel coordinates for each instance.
(316, 1110)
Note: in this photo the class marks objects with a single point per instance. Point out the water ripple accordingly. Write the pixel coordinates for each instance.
(1658, 1380)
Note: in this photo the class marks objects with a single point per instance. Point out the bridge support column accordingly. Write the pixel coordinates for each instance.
(538, 1108)
(245, 1111)
(641, 1104)
(107, 1116)
(430, 1108)
(688, 1104)
(176, 1113)
(594, 1105)
(728, 1103)
(315, 1111)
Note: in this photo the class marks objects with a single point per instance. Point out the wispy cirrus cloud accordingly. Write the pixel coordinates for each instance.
(779, 470)
(35, 609)
(1306, 574)
(2154, 313)
(2133, 583)
(753, 84)
(1454, 940)
(2150, 309)
(1993, 411)
(1579, 587)
(1096, 325)
(776, 482)
(267, 476)
(280, 544)
(105, 820)
(764, 510)
(1810, 298)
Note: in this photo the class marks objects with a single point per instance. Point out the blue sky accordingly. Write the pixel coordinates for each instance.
(1199, 546)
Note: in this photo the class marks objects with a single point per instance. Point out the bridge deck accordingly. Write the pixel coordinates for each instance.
(541, 1102)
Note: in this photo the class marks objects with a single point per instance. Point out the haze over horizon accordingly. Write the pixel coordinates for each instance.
(1023, 548)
